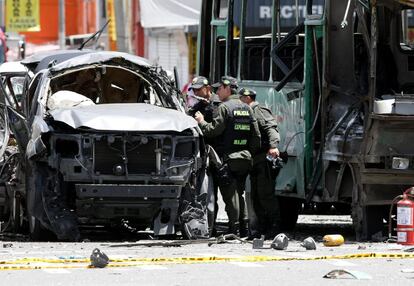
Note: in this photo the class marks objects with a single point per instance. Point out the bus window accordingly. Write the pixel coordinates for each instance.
(257, 39)
(257, 59)
(220, 59)
(407, 30)
(222, 9)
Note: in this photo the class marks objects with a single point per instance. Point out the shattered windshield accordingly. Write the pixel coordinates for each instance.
(108, 84)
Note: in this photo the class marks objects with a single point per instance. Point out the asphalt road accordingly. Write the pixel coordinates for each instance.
(240, 264)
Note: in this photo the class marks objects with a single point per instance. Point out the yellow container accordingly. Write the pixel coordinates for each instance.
(333, 240)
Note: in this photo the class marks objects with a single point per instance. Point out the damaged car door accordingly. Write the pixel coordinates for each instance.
(13, 137)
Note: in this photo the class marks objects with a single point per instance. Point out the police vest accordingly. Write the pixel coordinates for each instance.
(237, 134)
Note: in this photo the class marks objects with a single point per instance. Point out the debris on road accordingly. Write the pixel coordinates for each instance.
(258, 243)
(227, 238)
(309, 243)
(280, 242)
(99, 259)
(333, 240)
(410, 249)
(170, 243)
(232, 236)
(347, 274)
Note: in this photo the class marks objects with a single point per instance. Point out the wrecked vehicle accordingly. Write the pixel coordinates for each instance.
(105, 140)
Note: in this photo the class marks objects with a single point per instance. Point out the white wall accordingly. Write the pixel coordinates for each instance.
(168, 48)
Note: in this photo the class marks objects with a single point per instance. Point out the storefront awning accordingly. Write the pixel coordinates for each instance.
(169, 13)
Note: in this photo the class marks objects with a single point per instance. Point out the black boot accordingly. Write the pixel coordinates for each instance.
(234, 228)
(244, 229)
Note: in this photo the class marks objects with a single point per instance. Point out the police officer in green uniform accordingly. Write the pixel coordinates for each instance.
(238, 139)
(207, 105)
(264, 201)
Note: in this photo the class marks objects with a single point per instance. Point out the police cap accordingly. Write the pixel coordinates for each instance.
(247, 92)
(198, 82)
(226, 81)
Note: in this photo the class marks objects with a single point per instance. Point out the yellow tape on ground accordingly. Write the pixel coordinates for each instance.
(32, 263)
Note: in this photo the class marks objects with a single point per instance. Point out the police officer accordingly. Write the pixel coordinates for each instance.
(207, 104)
(264, 201)
(239, 138)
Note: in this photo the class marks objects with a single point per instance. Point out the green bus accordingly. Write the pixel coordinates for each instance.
(339, 78)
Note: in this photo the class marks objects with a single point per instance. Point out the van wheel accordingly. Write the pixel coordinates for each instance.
(35, 176)
(37, 232)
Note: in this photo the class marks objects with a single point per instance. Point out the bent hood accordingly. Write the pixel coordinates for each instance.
(124, 117)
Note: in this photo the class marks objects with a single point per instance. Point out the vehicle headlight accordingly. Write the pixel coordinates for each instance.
(400, 163)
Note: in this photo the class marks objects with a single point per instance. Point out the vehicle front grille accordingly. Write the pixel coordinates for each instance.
(139, 157)
(184, 150)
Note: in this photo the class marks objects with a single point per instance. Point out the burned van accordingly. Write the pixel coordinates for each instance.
(105, 139)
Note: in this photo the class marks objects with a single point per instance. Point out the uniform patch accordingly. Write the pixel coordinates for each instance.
(241, 113)
(239, 142)
(244, 127)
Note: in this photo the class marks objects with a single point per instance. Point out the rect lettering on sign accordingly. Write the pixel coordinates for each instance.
(404, 216)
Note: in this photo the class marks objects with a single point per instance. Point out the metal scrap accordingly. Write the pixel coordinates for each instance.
(347, 274)
(309, 243)
(99, 259)
(258, 243)
(280, 242)
(410, 249)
